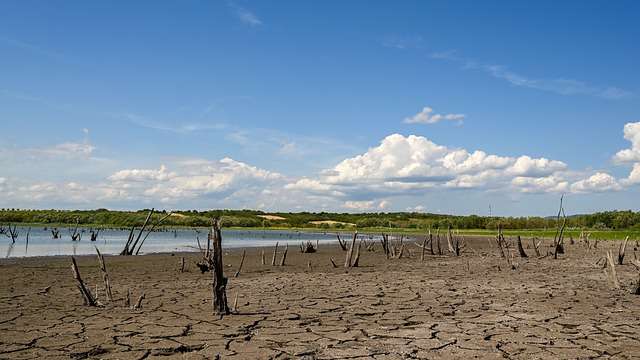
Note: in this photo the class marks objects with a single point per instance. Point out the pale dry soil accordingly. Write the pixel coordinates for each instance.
(472, 306)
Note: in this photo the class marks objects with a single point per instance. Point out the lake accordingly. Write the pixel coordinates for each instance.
(111, 241)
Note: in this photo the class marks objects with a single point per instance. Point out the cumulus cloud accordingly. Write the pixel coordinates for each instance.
(597, 182)
(631, 133)
(426, 116)
(414, 162)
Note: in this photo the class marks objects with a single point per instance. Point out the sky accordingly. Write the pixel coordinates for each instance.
(458, 107)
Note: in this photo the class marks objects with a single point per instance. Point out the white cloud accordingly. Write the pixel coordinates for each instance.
(195, 177)
(547, 184)
(366, 205)
(426, 116)
(526, 166)
(597, 182)
(402, 165)
(631, 133)
(143, 175)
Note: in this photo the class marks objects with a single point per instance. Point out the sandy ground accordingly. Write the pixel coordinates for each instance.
(472, 306)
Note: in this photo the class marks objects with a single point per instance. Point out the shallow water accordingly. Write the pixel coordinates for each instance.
(41, 242)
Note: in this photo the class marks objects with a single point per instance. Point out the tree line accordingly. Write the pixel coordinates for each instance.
(253, 218)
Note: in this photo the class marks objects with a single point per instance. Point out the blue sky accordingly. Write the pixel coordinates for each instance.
(311, 105)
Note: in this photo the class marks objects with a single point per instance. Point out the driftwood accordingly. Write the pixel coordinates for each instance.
(241, 263)
(333, 263)
(87, 297)
(105, 275)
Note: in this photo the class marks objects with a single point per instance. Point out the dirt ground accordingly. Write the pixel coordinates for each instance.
(472, 306)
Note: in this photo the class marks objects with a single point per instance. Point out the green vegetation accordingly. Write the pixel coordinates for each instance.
(603, 224)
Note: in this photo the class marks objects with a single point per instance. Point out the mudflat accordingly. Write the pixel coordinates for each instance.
(470, 306)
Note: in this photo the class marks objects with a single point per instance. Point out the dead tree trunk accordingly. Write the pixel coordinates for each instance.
(621, 250)
(275, 253)
(284, 254)
(343, 244)
(536, 246)
(449, 240)
(105, 275)
(219, 284)
(87, 297)
(557, 239)
(349, 255)
(521, 249)
(613, 276)
(356, 259)
(424, 246)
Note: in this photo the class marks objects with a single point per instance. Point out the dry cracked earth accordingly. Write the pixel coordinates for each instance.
(472, 306)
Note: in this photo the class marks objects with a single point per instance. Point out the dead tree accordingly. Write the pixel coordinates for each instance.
(275, 253)
(536, 246)
(262, 257)
(636, 288)
(613, 277)
(105, 275)
(385, 245)
(356, 259)
(132, 246)
(94, 234)
(457, 244)
(450, 240)
(557, 239)
(307, 248)
(13, 233)
(219, 284)
(87, 297)
(241, 262)
(621, 251)
(343, 244)
(55, 233)
(500, 241)
(521, 249)
(75, 234)
(349, 255)
(284, 254)
(438, 239)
